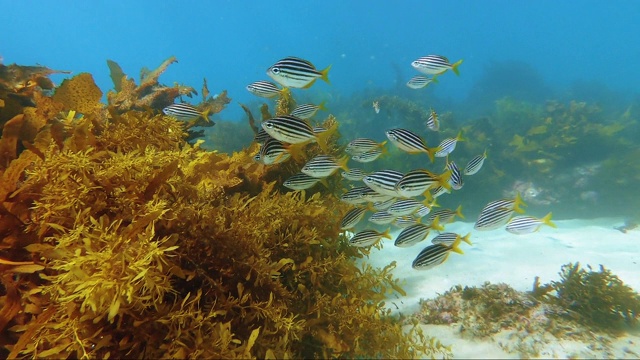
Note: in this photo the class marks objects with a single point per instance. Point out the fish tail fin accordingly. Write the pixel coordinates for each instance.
(466, 239)
(325, 74)
(459, 212)
(434, 79)
(296, 151)
(431, 203)
(517, 203)
(459, 136)
(342, 162)
(435, 224)
(454, 247)
(322, 105)
(205, 115)
(547, 220)
(444, 180)
(484, 154)
(431, 152)
(387, 234)
(324, 183)
(455, 65)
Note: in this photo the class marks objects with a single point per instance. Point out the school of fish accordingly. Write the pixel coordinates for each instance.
(402, 200)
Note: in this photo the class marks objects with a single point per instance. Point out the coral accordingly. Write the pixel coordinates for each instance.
(131, 242)
(599, 298)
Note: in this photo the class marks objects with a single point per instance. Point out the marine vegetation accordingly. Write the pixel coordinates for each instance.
(586, 306)
(120, 239)
(599, 298)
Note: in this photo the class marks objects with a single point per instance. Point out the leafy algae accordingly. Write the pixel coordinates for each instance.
(147, 246)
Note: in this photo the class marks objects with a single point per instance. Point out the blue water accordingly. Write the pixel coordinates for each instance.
(231, 43)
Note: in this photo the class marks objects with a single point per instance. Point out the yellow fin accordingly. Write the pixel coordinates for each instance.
(547, 220)
(454, 67)
(325, 74)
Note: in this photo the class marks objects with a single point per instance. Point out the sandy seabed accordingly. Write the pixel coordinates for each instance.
(498, 256)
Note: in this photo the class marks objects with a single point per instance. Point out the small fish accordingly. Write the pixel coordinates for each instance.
(410, 142)
(417, 182)
(368, 237)
(433, 123)
(435, 65)
(455, 180)
(419, 82)
(475, 164)
(296, 73)
(447, 145)
(446, 216)
(405, 221)
(265, 89)
(384, 205)
(356, 195)
(369, 156)
(352, 218)
(493, 218)
(362, 145)
(322, 166)
(374, 196)
(434, 255)
(528, 224)
(414, 234)
(272, 152)
(448, 238)
(300, 181)
(185, 112)
(261, 137)
(405, 207)
(381, 218)
(354, 174)
(293, 130)
(376, 107)
(423, 211)
(383, 181)
(306, 111)
(510, 204)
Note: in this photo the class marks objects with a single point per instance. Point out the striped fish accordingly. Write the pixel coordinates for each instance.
(296, 73)
(439, 190)
(435, 65)
(300, 181)
(493, 218)
(410, 142)
(528, 224)
(374, 196)
(354, 174)
(356, 195)
(264, 89)
(422, 211)
(306, 111)
(412, 235)
(405, 221)
(475, 164)
(368, 237)
(381, 218)
(384, 205)
(416, 182)
(405, 207)
(419, 82)
(455, 180)
(322, 166)
(448, 238)
(272, 152)
(363, 145)
(261, 137)
(434, 255)
(446, 216)
(447, 145)
(383, 181)
(368, 156)
(185, 112)
(433, 123)
(293, 130)
(352, 217)
(511, 204)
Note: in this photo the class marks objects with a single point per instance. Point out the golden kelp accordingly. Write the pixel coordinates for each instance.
(134, 243)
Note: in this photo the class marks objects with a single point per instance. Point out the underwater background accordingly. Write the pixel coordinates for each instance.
(222, 260)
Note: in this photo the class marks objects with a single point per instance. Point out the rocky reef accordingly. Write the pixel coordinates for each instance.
(120, 239)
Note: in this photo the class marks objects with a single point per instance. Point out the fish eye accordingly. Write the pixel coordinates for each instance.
(268, 124)
(275, 70)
